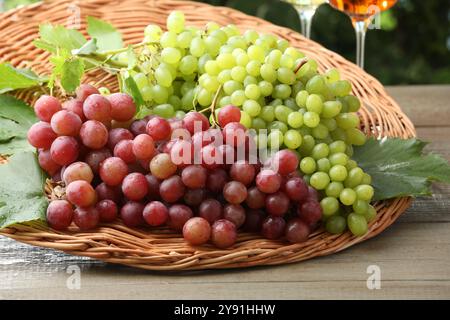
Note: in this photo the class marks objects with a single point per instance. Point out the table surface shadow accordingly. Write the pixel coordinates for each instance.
(412, 256)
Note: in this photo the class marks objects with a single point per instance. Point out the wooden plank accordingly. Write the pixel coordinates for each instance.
(425, 105)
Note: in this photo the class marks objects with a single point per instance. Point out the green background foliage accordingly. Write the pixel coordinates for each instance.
(413, 45)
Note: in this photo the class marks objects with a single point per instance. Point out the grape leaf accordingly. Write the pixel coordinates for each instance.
(12, 78)
(107, 36)
(22, 197)
(16, 117)
(88, 48)
(71, 73)
(54, 37)
(129, 86)
(400, 168)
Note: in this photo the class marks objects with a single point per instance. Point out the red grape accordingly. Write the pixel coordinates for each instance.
(138, 127)
(66, 123)
(81, 193)
(46, 106)
(195, 122)
(131, 214)
(143, 147)
(122, 106)
(228, 154)
(85, 90)
(223, 234)
(86, 218)
(228, 114)
(41, 135)
(113, 170)
(254, 220)
(235, 192)
(284, 162)
(162, 167)
(196, 231)
(268, 181)
(135, 186)
(310, 212)
(297, 231)
(243, 172)
(78, 171)
(178, 215)
(273, 227)
(211, 157)
(296, 189)
(46, 162)
(153, 186)
(194, 176)
(75, 106)
(172, 189)
(217, 179)
(255, 198)
(234, 134)
(201, 139)
(313, 194)
(95, 157)
(97, 107)
(210, 209)
(156, 213)
(176, 124)
(94, 134)
(193, 197)
(64, 150)
(182, 153)
(234, 213)
(158, 128)
(105, 192)
(59, 214)
(118, 134)
(277, 203)
(124, 151)
(107, 210)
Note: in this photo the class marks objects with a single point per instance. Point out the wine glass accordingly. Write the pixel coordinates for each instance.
(306, 10)
(361, 12)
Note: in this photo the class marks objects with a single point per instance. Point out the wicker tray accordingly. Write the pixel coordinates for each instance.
(161, 249)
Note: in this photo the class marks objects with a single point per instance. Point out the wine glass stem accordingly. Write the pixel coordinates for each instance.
(360, 29)
(305, 21)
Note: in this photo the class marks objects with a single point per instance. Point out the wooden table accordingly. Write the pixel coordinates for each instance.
(413, 255)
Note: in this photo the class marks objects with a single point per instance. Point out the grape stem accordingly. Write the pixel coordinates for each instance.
(300, 64)
(212, 107)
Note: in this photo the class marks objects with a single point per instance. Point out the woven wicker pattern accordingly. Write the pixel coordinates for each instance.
(161, 249)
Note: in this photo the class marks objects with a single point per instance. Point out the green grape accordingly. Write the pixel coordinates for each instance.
(290, 103)
(266, 88)
(370, 214)
(308, 165)
(188, 65)
(367, 179)
(164, 110)
(231, 86)
(303, 71)
(141, 80)
(224, 76)
(286, 61)
(276, 102)
(334, 189)
(153, 32)
(197, 47)
(253, 68)
(337, 147)
(349, 150)
(187, 101)
(338, 173)
(212, 68)
(252, 92)
(320, 151)
(360, 207)
(168, 39)
(331, 109)
(211, 26)
(353, 103)
(347, 196)
(204, 97)
(187, 86)
(175, 21)
(357, 224)
(282, 113)
(268, 72)
(258, 123)
(275, 139)
(282, 44)
(281, 91)
(286, 76)
(320, 132)
(250, 80)
(242, 59)
(146, 93)
(252, 108)
(301, 98)
(251, 36)
(226, 60)
(347, 120)
(220, 35)
(364, 192)
(307, 144)
(329, 206)
(296, 88)
(224, 101)
(246, 120)
(170, 55)
(354, 177)
(212, 45)
(160, 94)
(211, 84)
(175, 101)
(295, 119)
(256, 53)
(180, 114)
(323, 165)
(202, 62)
(332, 75)
(294, 53)
(351, 164)
(340, 88)
(338, 134)
(319, 180)
(237, 42)
(238, 73)
(330, 124)
(292, 139)
(314, 103)
(336, 224)
(273, 58)
(163, 76)
(184, 39)
(268, 113)
(339, 158)
(238, 98)
(311, 119)
(355, 136)
(316, 84)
